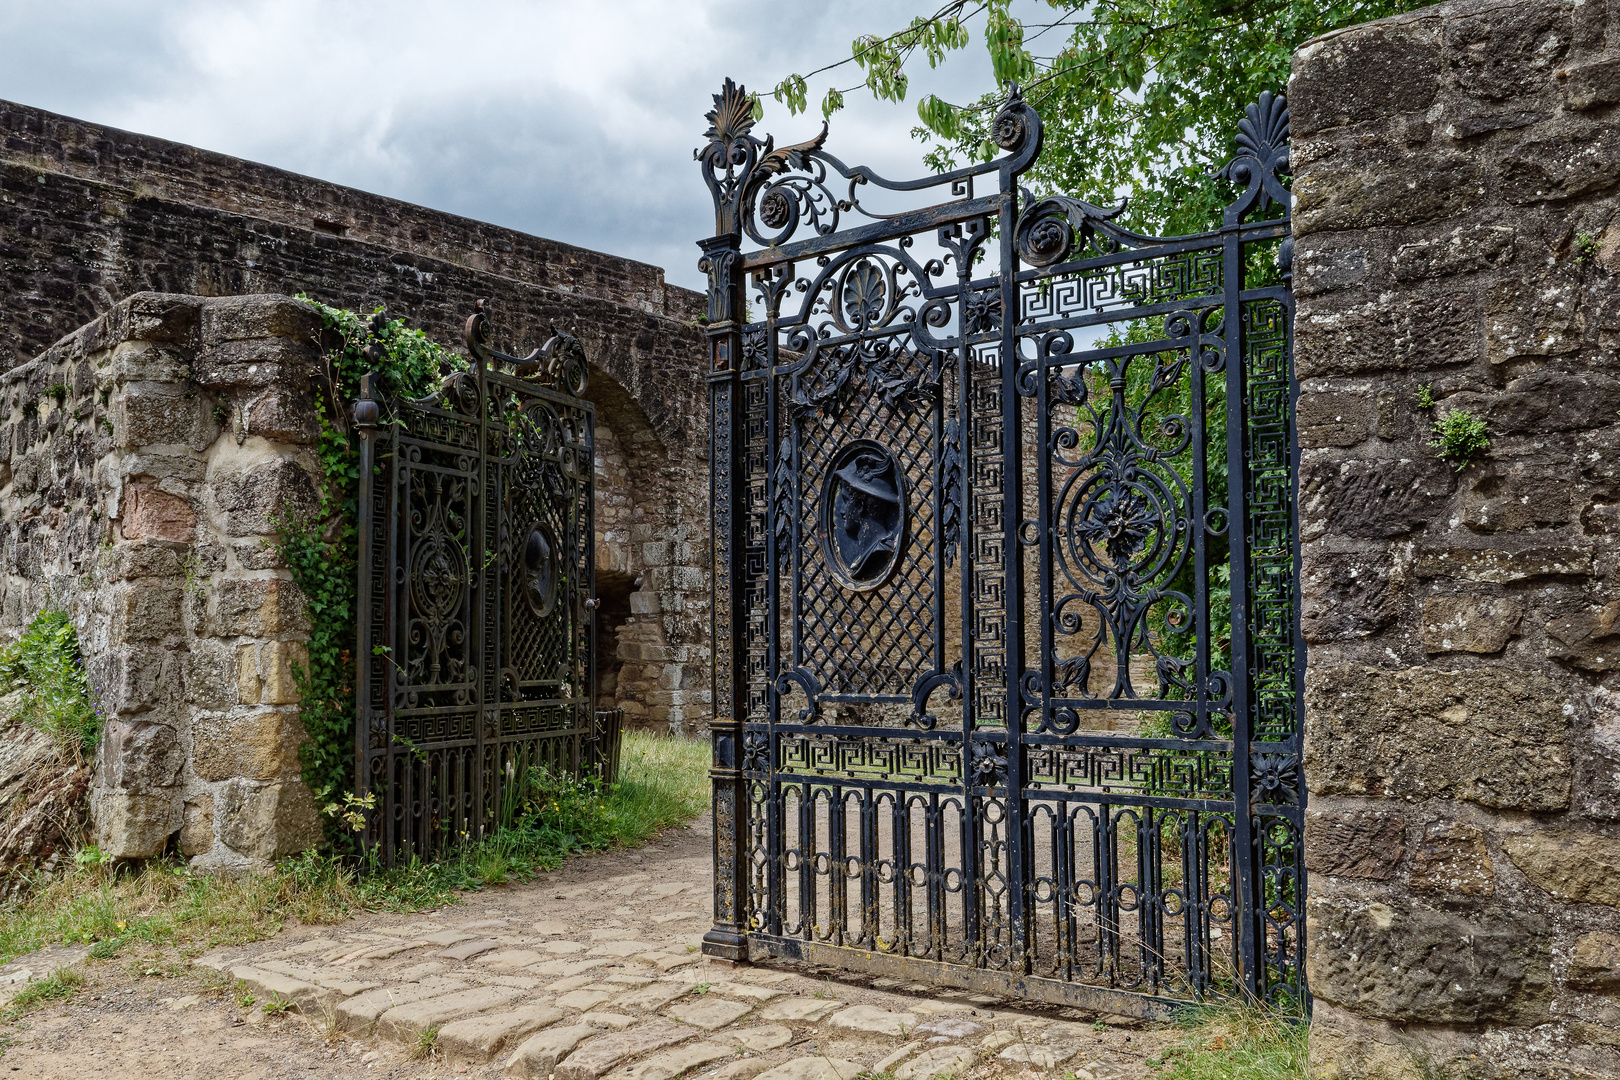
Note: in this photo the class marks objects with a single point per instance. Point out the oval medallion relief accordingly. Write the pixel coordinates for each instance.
(865, 524)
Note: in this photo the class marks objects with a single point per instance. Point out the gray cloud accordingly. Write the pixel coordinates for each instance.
(571, 121)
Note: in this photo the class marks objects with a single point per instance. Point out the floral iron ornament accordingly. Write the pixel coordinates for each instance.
(736, 164)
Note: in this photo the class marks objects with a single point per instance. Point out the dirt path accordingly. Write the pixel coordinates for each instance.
(590, 973)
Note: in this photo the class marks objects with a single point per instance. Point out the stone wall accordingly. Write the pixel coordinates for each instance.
(90, 215)
(1455, 172)
(144, 460)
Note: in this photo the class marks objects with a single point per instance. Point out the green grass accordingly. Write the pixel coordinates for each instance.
(1237, 1042)
(64, 982)
(663, 782)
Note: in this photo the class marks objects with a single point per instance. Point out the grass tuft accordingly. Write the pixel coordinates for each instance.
(1238, 1042)
(64, 982)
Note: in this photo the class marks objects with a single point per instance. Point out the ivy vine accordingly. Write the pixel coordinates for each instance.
(322, 550)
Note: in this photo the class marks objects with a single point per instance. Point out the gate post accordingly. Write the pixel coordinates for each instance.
(727, 940)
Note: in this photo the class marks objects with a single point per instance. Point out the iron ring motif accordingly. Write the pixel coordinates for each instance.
(864, 516)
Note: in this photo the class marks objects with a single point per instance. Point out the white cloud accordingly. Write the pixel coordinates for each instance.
(574, 121)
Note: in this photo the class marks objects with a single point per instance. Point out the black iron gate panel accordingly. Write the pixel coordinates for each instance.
(1008, 670)
(475, 602)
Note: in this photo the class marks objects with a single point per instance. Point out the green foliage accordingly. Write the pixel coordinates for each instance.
(62, 983)
(664, 783)
(1237, 1042)
(1140, 97)
(58, 392)
(1585, 246)
(322, 552)
(1425, 396)
(1459, 436)
(45, 664)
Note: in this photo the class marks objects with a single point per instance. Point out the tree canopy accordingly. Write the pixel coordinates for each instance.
(1141, 98)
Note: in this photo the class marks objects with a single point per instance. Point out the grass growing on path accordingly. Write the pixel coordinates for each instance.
(1238, 1042)
(663, 783)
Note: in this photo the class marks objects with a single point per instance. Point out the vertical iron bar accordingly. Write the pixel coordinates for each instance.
(365, 424)
(1237, 529)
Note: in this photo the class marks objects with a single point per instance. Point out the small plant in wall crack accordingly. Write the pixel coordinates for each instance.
(1425, 396)
(1459, 437)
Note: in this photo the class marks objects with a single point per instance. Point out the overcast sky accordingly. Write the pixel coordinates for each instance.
(575, 121)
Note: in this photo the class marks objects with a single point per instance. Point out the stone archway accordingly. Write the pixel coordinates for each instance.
(650, 541)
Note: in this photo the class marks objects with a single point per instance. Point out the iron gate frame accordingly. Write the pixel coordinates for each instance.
(769, 194)
(440, 761)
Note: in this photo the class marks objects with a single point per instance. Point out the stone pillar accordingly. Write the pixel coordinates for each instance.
(149, 459)
(1457, 239)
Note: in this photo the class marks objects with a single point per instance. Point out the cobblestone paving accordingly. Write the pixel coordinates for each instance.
(594, 974)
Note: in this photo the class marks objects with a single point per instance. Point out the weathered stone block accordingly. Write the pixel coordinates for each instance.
(130, 825)
(282, 415)
(152, 514)
(1499, 566)
(146, 611)
(1595, 963)
(1512, 498)
(146, 415)
(258, 607)
(1476, 624)
(1507, 51)
(278, 661)
(259, 744)
(1492, 736)
(1328, 418)
(1384, 185)
(1393, 332)
(259, 497)
(1452, 859)
(1350, 594)
(1373, 498)
(197, 830)
(146, 558)
(1416, 964)
(1561, 167)
(1460, 249)
(1582, 868)
(261, 315)
(267, 821)
(1354, 843)
(257, 362)
(1588, 639)
(1587, 86)
(1342, 79)
(140, 757)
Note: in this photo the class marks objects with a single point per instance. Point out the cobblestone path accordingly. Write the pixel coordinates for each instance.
(592, 973)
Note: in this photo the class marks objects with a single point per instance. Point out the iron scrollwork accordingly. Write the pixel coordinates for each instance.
(1006, 621)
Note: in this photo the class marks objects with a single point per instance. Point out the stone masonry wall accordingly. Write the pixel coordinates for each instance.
(144, 461)
(90, 215)
(1456, 175)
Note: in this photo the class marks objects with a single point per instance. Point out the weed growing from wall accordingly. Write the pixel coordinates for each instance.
(46, 666)
(322, 551)
(1459, 436)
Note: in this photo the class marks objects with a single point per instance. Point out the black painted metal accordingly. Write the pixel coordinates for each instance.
(475, 604)
(1007, 662)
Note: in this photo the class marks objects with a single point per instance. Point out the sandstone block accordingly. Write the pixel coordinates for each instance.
(799, 1009)
(140, 756)
(708, 1012)
(761, 1038)
(482, 1037)
(133, 826)
(470, 949)
(1374, 498)
(1506, 52)
(197, 832)
(150, 514)
(1500, 566)
(145, 611)
(597, 1056)
(406, 1021)
(281, 415)
(258, 607)
(257, 362)
(1458, 250)
(1354, 843)
(1415, 964)
(147, 558)
(1476, 624)
(1582, 868)
(154, 414)
(1452, 859)
(1595, 963)
(537, 1057)
(1384, 69)
(305, 996)
(249, 687)
(1587, 86)
(1347, 595)
(1588, 639)
(1492, 736)
(267, 821)
(278, 661)
(259, 496)
(256, 744)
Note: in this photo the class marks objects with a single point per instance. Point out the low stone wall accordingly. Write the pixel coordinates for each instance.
(1456, 224)
(144, 463)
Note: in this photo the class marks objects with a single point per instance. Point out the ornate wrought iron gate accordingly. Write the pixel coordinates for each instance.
(1007, 662)
(476, 575)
